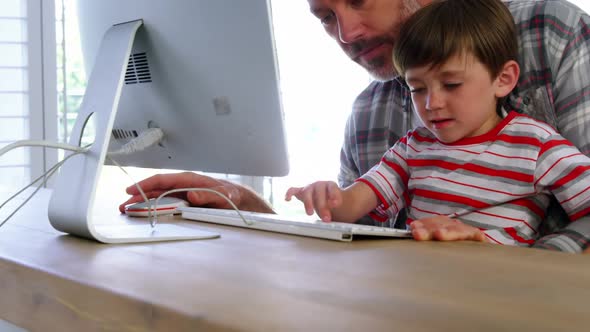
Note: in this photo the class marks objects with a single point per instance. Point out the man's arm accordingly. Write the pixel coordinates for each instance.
(570, 91)
(573, 238)
(244, 198)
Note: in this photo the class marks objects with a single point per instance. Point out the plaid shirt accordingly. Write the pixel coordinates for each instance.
(554, 87)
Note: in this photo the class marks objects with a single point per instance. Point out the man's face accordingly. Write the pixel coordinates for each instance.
(366, 30)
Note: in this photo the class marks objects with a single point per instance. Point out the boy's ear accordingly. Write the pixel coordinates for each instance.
(507, 78)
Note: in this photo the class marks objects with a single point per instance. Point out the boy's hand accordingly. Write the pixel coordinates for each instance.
(443, 228)
(321, 197)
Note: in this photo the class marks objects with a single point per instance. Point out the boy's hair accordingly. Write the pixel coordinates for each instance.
(447, 28)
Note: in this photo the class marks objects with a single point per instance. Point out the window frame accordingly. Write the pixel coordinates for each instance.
(42, 82)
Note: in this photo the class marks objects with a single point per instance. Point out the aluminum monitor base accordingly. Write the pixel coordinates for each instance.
(145, 233)
(72, 202)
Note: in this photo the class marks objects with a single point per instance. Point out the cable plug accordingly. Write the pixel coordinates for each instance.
(147, 138)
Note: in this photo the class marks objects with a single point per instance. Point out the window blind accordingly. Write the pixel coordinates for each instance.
(14, 91)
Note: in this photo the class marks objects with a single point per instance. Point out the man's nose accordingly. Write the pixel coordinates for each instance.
(350, 27)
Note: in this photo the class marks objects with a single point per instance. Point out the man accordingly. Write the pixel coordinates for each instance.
(554, 87)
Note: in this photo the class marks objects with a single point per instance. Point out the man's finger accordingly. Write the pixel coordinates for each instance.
(138, 198)
(173, 181)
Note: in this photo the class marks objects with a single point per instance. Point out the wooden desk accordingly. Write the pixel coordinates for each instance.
(257, 281)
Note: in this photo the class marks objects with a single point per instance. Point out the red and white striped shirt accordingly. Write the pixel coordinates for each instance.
(499, 182)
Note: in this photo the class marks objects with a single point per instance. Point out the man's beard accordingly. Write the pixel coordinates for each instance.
(381, 67)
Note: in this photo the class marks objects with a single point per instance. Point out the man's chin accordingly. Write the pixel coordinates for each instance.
(382, 74)
(380, 70)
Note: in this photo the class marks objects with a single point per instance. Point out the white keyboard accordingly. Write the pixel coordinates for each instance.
(289, 225)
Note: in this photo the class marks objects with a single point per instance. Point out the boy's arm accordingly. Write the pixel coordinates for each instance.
(357, 201)
(331, 203)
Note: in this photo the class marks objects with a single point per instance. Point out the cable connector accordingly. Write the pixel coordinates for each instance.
(147, 138)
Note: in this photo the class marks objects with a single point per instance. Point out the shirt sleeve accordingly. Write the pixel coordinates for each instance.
(348, 170)
(565, 172)
(567, 240)
(571, 85)
(389, 181)
(571, 100)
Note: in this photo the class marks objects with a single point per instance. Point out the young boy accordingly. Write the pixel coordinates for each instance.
(470, 161)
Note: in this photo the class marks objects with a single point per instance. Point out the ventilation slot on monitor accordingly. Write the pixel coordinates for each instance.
(124, 134)
(138, 69)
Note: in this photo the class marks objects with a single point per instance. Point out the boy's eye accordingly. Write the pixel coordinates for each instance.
(417, 90)
(452, 85)
(357, 3)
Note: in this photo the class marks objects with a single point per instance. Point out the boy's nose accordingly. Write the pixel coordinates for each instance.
(434, 101)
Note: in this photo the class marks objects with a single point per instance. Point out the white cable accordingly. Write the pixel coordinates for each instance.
(153, 216)
(147, 138)
(46, 144)
(44, 176)
(247, 222)
(141, 192)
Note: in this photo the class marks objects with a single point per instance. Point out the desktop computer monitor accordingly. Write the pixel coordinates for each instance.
(204, 71)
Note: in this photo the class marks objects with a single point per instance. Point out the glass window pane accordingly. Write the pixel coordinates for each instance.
(15, 157)
(59, 33)
(59, 10)
(74, 101)
(13, 30)
(14, 177)
(14, 8)
(318, 89)
(13, 129)
(13, 55)
(14, 104)
(13, 79)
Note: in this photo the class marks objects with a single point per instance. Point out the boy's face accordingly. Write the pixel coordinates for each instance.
(456, 99)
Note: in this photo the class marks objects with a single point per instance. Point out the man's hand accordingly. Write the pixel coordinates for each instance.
(587, 251)
(321, 197)
(155, 185)
(442, 228)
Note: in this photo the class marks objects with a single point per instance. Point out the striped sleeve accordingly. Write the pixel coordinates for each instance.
(564, 171)
(564, 240)
(389, 181)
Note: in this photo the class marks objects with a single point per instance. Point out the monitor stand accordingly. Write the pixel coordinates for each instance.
(73, 199)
